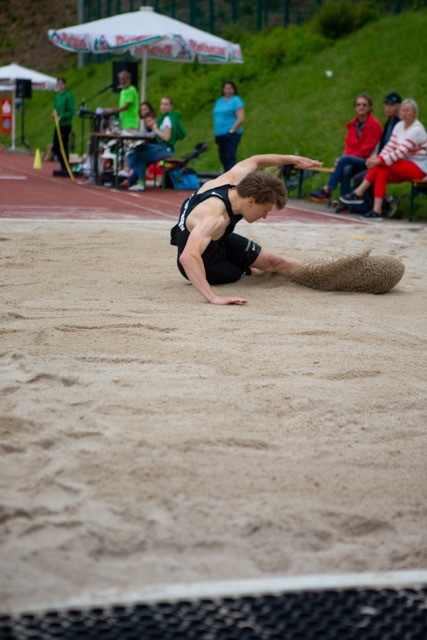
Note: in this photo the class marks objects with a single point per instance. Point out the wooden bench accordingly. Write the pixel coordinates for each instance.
(171, 164)
(301, 173)
(417, 186)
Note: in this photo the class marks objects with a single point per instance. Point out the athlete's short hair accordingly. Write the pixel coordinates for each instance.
(264, 188)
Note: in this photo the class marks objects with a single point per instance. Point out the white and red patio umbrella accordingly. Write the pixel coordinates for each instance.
(147, 34)
(13, 72)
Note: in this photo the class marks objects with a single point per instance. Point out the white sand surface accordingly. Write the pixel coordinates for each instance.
(150, 438)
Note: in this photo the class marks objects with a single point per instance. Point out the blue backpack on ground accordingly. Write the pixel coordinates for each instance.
(184, 179)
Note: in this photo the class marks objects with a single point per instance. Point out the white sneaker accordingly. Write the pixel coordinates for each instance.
(124, 173)
(137, 187)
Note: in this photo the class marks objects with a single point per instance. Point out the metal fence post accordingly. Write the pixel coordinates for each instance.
(211, 16)
(192, 8)
(234, 10)
(286, 13)
(259, 15)
(266, 12)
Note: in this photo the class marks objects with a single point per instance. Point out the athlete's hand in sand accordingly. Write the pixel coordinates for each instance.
(306, 163)
(224, 300)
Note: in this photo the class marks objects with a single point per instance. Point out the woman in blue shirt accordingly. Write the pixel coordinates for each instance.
(229, 115)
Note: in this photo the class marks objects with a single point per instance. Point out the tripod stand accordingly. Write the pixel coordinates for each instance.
(24, 140)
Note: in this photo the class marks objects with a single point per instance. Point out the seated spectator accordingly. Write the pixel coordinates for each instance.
(403, 158)
(145, 109)
(167, 129)
(363, 135)
(392, 104)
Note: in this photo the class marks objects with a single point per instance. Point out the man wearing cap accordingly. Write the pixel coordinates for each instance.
(392, 103)
(391, 109)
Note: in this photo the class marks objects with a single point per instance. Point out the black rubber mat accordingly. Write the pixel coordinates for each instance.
(348, 614)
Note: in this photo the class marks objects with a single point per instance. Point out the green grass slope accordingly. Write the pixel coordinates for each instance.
(291, 105)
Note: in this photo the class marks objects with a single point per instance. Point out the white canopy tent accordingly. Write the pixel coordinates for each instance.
(13, 72)
(147, 34)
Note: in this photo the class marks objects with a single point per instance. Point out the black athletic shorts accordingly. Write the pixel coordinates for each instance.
(228, 259)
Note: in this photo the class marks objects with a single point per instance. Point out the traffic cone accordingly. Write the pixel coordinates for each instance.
(37, 160)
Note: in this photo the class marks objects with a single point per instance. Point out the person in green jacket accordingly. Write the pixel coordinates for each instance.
(168, 128)
(63, 108)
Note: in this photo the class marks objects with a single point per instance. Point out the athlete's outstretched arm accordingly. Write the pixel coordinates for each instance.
(243, 168)
(191, 260)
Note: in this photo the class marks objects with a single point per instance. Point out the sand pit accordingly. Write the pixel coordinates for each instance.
(150, 438)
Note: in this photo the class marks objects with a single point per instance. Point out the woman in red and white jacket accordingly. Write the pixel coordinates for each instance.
(403, 158)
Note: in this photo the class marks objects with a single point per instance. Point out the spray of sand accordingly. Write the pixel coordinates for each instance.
(361, 272)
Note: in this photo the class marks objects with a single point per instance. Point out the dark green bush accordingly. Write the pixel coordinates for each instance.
(338, 18)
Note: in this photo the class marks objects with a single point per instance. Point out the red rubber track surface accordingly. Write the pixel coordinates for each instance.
(34, 194)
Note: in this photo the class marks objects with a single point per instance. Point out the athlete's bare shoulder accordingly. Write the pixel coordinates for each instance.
(215, 182)
(232, 177)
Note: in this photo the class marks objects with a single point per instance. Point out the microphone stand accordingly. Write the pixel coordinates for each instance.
(83, 108)
(110, 86)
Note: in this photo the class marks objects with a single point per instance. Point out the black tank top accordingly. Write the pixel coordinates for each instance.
(180, 233)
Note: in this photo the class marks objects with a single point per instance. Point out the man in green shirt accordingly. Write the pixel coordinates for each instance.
(63, 108)
(128, 109)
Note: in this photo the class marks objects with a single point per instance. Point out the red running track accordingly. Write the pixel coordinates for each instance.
(34, 194)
